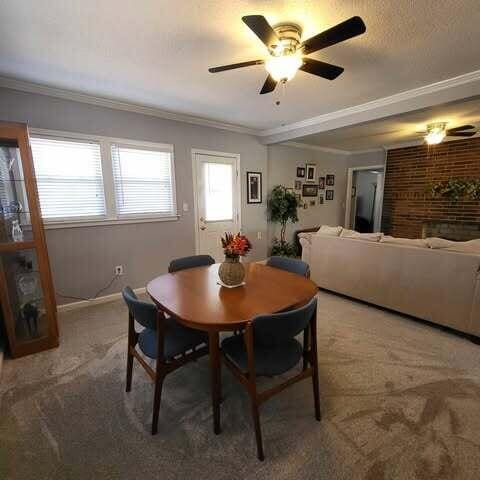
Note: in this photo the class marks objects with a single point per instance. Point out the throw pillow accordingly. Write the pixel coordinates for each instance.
(369, 237)
(472, 246)
(332, 231)
(437, 242)
(411, 242)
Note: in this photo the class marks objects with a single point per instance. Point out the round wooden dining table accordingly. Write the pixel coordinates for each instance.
(195, 298)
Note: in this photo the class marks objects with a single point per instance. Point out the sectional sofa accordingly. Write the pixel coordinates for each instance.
(439, 284)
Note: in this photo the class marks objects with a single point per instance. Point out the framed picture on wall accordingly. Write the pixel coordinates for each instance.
(310, 176)
(320, 200)
(301, 172)
(254, 187)
(330, 181)
(329, 194)
(321, 183)
(298, 185)
(309, 190)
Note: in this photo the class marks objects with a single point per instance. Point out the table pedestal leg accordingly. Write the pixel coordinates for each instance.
(215, 373)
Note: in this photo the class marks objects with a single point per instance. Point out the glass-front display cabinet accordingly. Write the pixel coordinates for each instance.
(27, 299)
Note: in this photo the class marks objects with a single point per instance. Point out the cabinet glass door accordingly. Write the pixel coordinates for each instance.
(20, 273)
(14, 214)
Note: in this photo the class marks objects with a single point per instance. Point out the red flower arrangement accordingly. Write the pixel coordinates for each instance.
(235, 246)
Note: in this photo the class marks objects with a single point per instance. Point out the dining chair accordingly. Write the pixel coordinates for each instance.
(162, 339)
(290, 265)
(190, 262)
(269, 348)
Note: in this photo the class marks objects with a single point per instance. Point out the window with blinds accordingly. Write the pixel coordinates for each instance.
(69, 178)
(143, 181)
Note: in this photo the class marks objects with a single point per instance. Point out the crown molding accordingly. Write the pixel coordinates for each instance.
(456, 88)
(319, 148)
(30, 87)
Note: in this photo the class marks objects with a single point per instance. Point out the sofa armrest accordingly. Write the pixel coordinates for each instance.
(475, 315)
(296, 237)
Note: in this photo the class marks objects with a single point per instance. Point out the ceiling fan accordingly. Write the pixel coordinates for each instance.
(437, 131)
(287, 54)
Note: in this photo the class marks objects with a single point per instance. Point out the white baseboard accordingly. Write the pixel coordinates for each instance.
(96, 301)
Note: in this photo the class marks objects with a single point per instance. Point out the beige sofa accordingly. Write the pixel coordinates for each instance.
(432, 284)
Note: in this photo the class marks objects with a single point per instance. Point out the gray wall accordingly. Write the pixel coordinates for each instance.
(83, 258)
(282, 164)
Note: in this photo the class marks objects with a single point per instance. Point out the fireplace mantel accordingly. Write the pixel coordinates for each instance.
(458, 231)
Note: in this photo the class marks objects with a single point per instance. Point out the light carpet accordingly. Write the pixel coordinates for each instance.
(400, 400)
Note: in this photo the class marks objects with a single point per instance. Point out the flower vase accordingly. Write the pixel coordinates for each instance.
(231, 271)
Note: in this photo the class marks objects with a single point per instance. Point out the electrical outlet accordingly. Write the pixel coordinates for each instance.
(119, 270)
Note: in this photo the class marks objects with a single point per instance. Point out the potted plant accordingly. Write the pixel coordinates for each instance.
(231, 271)
(282, 208)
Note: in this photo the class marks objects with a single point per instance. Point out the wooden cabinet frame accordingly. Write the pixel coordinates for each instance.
(18, 133)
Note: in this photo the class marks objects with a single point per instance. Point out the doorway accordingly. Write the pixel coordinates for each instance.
(363, 208)
(217, 200)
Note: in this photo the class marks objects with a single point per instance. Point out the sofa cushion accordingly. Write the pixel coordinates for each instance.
(411, 242)
(472, 246)
(369, 237)
(331, 231)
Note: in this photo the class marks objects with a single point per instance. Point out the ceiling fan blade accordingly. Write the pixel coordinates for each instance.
(343, 31)
(321, 69)
(460, 128)
(460, 134)
(232, 66)
(269, 85)
(262, 29)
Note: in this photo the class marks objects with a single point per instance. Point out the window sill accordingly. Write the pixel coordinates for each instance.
(106, 222)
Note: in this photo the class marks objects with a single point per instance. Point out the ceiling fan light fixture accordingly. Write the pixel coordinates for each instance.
(436, 132)
(283, 67)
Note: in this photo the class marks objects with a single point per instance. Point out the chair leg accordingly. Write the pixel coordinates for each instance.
(156, 402)
(314, 355)
(252, 389)
(131, 344)
(129, 370)
(258, 431)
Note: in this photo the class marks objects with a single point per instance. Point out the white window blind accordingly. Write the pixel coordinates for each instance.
(69, 178)
(143, 180)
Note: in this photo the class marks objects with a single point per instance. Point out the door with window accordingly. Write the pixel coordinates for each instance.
(217, 200)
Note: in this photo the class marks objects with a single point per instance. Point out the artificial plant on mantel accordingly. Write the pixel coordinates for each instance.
(282, 208)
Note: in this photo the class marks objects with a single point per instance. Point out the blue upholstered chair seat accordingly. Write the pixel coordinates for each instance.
(269, 360)
(178, 339)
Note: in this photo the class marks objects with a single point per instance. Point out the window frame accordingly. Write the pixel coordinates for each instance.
(111, 217)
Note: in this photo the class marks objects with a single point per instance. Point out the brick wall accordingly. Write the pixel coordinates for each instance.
(411, 171)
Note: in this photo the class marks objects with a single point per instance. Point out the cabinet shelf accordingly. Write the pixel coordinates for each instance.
(13, 246)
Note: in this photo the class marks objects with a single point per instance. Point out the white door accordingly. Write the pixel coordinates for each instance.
(217, 201)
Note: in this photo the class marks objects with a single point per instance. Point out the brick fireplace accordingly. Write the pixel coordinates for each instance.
(410, 211)
(457, 231)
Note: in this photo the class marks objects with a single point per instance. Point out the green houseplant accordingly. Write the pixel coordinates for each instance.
(457, 188)
(282, 208)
